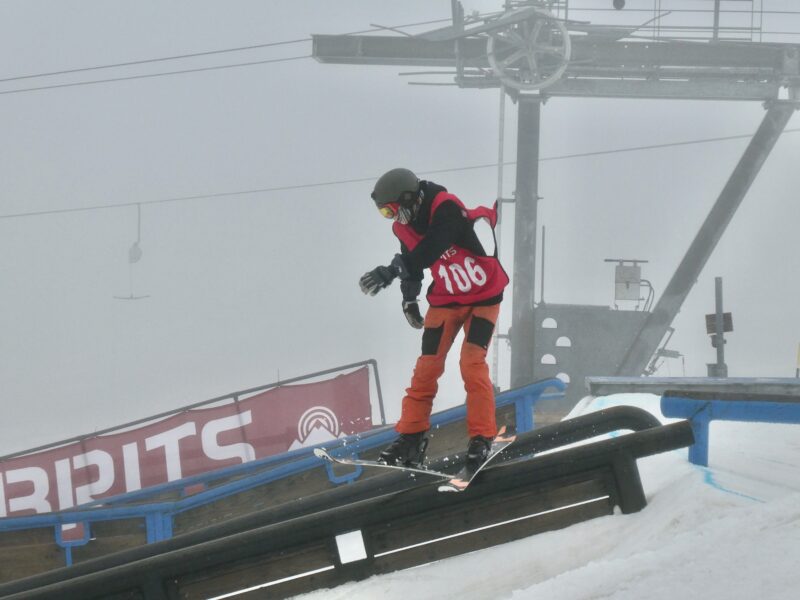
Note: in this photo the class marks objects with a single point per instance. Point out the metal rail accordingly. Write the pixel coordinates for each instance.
(604, 386)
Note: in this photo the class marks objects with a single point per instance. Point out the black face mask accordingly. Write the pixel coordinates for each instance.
(409, 207)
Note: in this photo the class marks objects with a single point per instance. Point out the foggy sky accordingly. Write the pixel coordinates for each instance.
(245, 289)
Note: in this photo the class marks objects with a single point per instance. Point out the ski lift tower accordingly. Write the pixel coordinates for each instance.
(535, 50)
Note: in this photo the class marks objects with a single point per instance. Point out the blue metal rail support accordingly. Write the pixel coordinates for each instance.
(701, 411)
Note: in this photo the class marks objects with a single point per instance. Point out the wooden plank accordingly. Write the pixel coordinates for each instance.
(585, 491)
(255, 571)
(129, 595)
(28, 552)
(111, 536)
(289, 589)
(491, 537)
(489, 509)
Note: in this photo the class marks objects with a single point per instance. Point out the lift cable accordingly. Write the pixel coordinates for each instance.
(366, 179)
(147, 76)
(181, 57)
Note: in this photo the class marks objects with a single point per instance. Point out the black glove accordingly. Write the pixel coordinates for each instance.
(413, 316)
(380, 277)
(374, 281)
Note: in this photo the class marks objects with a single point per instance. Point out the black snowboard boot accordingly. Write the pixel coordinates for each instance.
(408, 450)
(478, 451)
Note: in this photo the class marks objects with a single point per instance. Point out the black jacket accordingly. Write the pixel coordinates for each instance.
(449, 227)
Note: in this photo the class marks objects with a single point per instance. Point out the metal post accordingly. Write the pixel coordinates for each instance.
(716, 19)
(797, 368)
(527, 197)
(499, 229)
(544, 248)
(722, 368)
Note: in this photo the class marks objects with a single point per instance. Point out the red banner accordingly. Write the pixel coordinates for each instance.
(188, 443)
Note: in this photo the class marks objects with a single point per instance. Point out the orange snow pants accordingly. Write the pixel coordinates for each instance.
(442, 324)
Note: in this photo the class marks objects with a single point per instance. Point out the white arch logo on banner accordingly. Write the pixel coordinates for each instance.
(317, 425)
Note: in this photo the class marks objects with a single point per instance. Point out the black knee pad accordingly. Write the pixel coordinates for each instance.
(480, 332)
(431, 338)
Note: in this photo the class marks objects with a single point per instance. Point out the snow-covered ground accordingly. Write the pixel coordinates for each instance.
(727, 532)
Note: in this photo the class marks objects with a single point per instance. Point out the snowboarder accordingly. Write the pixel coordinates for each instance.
(436, 232)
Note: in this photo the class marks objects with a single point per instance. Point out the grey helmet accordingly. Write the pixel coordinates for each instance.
(400, 186)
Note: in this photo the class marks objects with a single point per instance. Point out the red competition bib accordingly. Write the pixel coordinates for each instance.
(459, 275)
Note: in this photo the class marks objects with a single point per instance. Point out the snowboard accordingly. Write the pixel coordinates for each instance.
(323, 454)
(460, 482)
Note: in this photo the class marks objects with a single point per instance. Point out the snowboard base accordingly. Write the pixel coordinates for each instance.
(323, 454)
(467, 474)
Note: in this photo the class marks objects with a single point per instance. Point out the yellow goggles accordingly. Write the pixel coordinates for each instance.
(389, 210)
